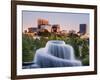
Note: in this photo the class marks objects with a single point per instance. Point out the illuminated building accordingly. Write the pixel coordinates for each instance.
(42, 22)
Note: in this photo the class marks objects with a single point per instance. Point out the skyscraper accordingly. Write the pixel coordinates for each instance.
(42, 22)
(82, 28)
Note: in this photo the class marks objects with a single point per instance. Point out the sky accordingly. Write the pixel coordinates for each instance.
(67, 21)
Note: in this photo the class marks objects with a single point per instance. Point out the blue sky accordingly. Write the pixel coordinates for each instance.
(67, 21)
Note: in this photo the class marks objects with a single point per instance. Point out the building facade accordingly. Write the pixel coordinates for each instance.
(82, 28)
(42, 22)
(32, 29)
(55, 28)
(46, 27)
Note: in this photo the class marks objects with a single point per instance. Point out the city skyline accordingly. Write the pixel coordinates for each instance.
(67, 21)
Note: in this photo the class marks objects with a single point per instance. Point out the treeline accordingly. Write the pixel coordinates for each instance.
(30, 45)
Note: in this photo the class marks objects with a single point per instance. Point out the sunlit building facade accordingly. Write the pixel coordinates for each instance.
(42, 22)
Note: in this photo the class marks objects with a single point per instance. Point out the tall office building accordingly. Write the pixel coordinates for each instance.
(83, 28)
(42, 22)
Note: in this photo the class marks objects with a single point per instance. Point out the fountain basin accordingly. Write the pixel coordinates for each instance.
(56, 54)
(47, 60)
(27, 65)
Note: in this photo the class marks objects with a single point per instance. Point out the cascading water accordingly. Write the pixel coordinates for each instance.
(60, 49)
(56, 54)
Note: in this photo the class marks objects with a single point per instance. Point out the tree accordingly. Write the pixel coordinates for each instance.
(27, 48)
(44, 33)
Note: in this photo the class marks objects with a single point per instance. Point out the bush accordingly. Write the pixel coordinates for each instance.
(27, 48)
(85, 60)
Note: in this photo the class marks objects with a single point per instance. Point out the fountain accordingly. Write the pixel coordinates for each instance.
(56, 54)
